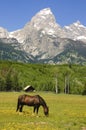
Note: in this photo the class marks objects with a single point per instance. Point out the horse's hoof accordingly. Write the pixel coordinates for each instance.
(20, 113)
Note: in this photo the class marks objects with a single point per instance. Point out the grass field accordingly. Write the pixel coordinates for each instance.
(66, 112)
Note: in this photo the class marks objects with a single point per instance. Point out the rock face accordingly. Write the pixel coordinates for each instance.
(44, 40)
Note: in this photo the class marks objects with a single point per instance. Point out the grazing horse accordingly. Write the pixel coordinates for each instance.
(35, 101)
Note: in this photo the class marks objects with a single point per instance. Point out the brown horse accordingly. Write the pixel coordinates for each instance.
(35, 101)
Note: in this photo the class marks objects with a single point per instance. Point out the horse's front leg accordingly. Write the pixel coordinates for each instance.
(34, 109)
(37, 109)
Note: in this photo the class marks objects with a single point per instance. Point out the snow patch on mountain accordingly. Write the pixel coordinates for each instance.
(81, 37)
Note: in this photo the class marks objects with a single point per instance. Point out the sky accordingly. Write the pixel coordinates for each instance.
(14, 14)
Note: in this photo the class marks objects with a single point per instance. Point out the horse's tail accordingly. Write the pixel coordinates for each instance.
(17, 106)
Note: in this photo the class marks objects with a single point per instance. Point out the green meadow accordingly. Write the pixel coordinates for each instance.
(66, 112)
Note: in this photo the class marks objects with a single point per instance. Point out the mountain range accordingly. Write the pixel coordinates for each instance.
(43, 40)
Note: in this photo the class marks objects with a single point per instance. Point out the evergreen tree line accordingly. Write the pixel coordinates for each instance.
(10, 83)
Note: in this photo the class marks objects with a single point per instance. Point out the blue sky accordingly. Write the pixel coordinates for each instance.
(14, 14)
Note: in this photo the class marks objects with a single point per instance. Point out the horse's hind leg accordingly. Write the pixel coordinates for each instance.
(21, 107)
(17, 106)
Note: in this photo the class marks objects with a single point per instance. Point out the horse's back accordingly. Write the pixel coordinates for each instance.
(31, 100)
(22, 96)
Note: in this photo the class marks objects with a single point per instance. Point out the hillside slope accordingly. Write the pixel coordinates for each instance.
(15, 76)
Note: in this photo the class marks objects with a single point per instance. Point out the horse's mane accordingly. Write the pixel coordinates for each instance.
(42, 101)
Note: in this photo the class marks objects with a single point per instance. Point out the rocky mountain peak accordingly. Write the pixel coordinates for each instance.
(44, 12)
(44, 40)
(3, 33)
(43, 19)
(77, 23)
(43, 15)
(77, 31)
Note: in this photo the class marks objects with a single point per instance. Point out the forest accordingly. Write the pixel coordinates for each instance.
(66, 78)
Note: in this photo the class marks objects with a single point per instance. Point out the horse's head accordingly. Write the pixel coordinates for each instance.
(46, 111)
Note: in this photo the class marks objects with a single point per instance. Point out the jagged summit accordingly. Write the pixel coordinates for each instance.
(76, 31)
(43, 39)
(44, 18)
(45, 11)
(45, 21)
(77, 23)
